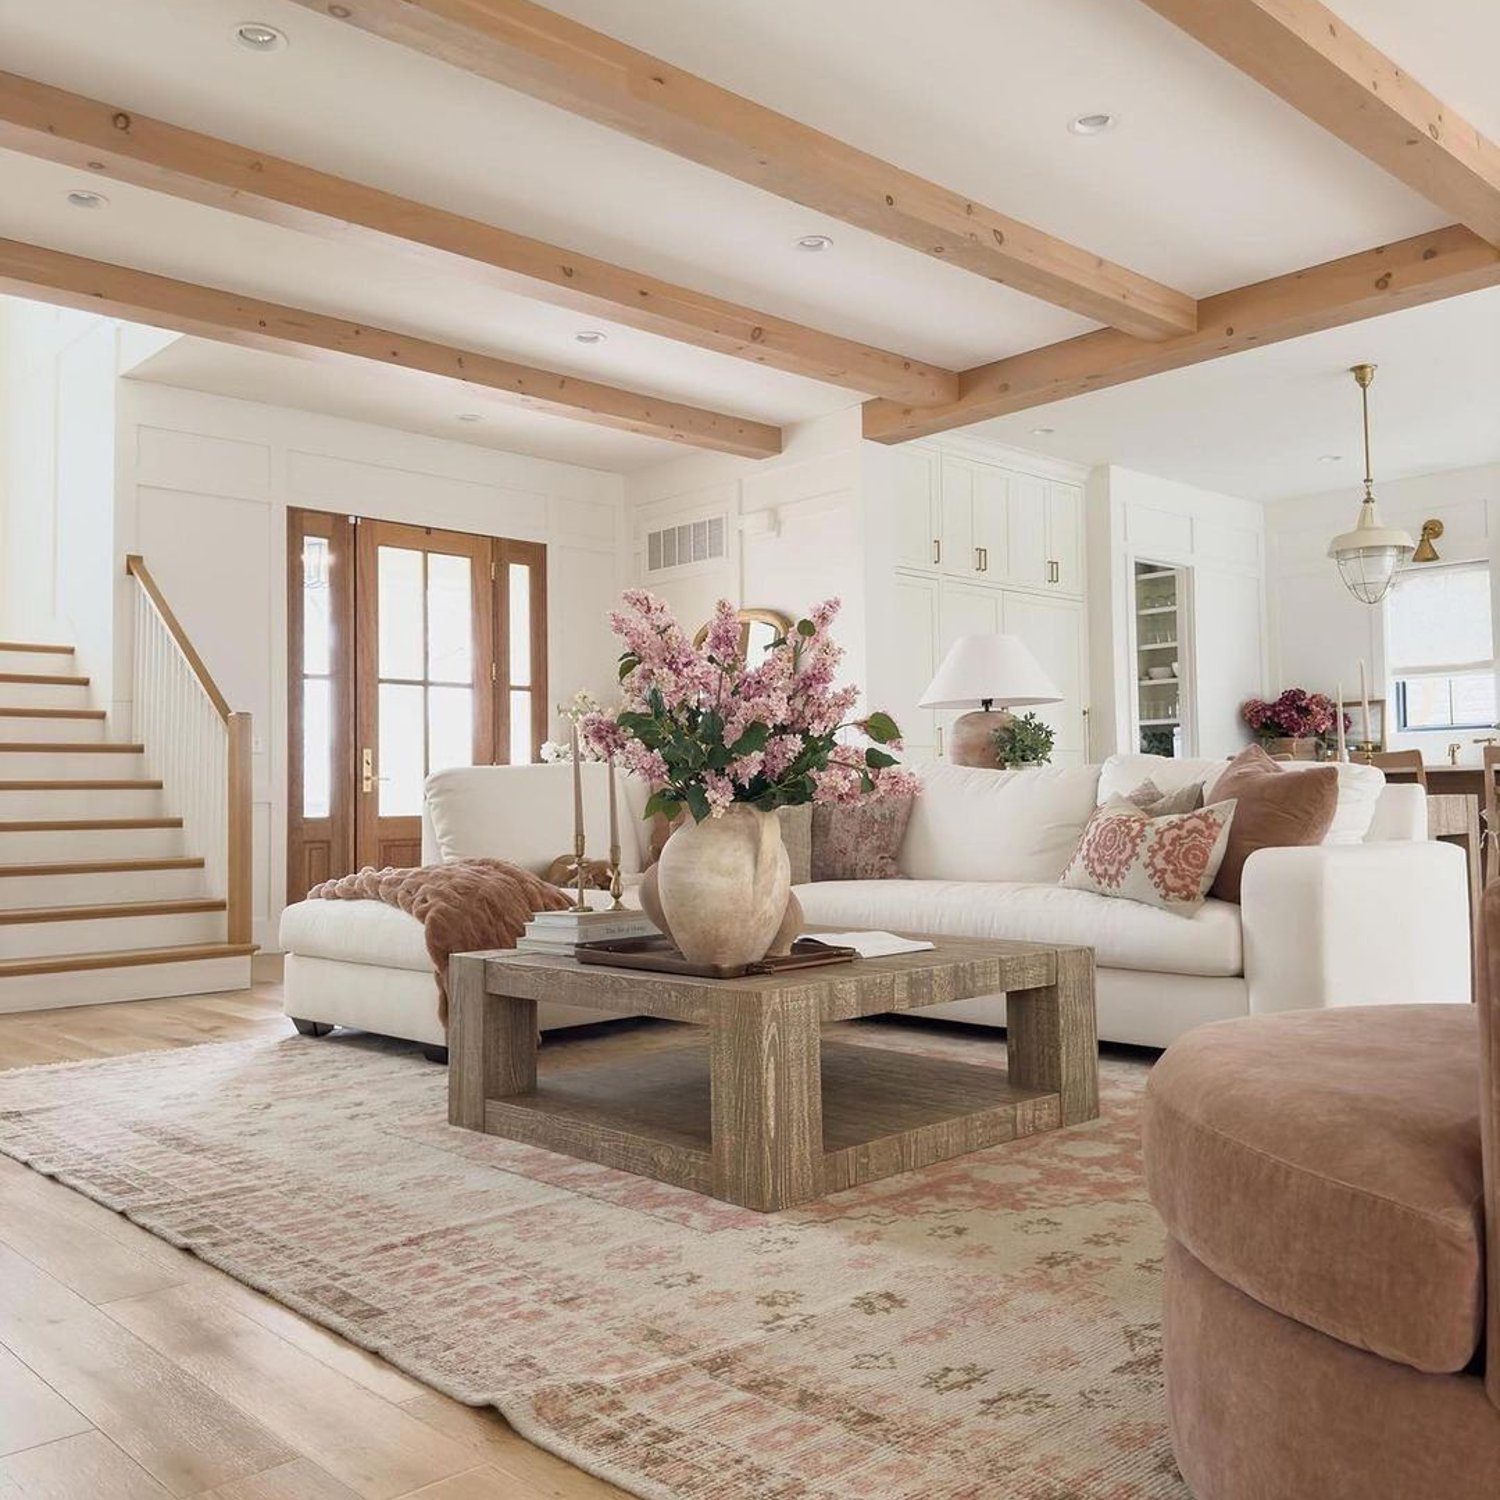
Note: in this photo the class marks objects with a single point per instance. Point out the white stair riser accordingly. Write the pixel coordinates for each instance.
(109, 934)
(53, 663)
(57, 846)
(71, 765)
(48, 731)
(75, 802)
(44, 695)
(98, 888)
(204, 976)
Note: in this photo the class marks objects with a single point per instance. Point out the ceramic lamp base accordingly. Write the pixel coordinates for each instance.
(974, 738)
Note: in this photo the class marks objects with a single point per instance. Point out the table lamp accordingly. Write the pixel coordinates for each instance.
(979, 672)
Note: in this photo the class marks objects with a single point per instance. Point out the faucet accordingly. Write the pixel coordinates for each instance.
(1454, 748)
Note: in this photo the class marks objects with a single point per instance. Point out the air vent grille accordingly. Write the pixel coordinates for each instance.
(682, 545)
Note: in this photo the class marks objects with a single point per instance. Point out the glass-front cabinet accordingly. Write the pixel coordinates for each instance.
(1162, 619)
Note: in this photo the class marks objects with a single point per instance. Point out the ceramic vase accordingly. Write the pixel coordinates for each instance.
(723, 886)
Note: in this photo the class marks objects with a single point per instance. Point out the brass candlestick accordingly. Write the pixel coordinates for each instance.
(579, 864)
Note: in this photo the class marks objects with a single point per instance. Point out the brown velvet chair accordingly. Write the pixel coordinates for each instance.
(1330, 1182)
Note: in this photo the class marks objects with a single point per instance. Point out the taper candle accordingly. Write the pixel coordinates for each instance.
(1364, 702)
(1339, 720)
(577, 784)
(614, 840)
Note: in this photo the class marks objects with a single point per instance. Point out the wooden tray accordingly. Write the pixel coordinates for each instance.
(657, 953)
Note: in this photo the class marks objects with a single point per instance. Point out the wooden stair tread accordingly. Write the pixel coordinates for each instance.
(35, 646)
(51, 713)
(101, 867)
(188, 906)
(70, 747)
(62, 680)
(82, 825)
(84, 784)
(129, 958)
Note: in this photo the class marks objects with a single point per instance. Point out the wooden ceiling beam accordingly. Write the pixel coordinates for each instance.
(538, 52)
(1426, 268)
(1308, 56)
(97, 286)
(105, 140)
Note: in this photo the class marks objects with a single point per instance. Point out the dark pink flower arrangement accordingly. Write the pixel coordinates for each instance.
(1296, 714)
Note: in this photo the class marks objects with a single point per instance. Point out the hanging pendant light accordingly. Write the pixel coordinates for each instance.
(1369, 555)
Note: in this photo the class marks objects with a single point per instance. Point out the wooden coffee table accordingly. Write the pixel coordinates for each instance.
(760, 1107)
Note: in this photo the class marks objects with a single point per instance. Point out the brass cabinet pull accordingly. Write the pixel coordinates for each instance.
(367, 776)
(937, 551)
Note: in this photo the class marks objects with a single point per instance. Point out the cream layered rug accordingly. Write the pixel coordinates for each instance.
(984, 1328)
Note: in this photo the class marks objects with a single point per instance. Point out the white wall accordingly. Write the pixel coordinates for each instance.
(795, 530)
(205, 483)
(57, 512)
(1319, 631)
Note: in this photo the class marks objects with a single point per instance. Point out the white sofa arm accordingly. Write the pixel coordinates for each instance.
(1356, 924)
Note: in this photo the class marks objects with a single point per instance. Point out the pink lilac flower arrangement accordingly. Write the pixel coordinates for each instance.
(1296, 714)
(706, 730)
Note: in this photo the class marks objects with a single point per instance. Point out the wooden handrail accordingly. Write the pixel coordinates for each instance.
(135, 565)
(238, 871)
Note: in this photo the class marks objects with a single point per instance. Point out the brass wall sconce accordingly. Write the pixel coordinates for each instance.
(1432, 529)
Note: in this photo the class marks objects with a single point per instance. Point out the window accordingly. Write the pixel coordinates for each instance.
(1442, 649)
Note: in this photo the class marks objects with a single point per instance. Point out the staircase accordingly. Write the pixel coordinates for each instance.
(100, 897)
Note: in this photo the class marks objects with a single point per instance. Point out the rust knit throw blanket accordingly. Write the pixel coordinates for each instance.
(469, 905)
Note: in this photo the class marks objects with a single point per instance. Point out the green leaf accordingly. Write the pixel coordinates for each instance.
(667, 803)
(697, 801)
(629, 661)
(806, 628)
(878, 760)
(881, 728)
(754, 738)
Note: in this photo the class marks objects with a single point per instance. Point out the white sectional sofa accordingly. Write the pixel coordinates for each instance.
(1376, 914)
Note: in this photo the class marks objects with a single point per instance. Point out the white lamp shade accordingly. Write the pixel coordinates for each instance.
(1369, 555)
(996, 669)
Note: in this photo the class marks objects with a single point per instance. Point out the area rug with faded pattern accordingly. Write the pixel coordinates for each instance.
(983, 1328)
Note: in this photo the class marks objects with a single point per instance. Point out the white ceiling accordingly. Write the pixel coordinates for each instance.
(1207, 182)
(1261, 424)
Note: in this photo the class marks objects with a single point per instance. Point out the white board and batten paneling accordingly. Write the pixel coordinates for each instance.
(966, 538)
(204, 486)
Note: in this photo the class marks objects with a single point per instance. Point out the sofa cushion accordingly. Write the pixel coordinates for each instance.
(1327, 1163)
(1273, 810)
(1123, 934)
(357, 932)
(974, 824)
(1361, 788)
(858, 840)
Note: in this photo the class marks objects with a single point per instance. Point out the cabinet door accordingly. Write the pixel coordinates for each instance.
(1054, 629)
(1027, 555)
(1065, 535)
(912, 662)
(958, 556)
(917, 526)
(991, 520)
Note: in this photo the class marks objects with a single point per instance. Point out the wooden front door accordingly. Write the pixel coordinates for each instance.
(411, 650)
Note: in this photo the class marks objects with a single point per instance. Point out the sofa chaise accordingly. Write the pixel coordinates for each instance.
(1377, 911)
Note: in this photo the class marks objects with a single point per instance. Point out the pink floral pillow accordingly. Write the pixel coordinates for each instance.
(1168, 862)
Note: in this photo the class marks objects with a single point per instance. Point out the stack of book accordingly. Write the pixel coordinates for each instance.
(561, 931)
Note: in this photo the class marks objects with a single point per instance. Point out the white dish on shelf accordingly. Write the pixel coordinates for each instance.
(1160, 674)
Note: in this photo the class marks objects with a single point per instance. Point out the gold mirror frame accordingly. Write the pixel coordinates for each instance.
(749, 618)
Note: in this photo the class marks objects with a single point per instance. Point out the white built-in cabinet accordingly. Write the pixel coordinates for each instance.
(979, 548)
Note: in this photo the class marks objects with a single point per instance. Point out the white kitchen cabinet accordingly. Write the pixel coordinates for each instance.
(957, 558)
(1065, 535)
(910, 663)
(918, 524)
(991, 524)
(975, 508)
(1028, 560)
(1055, 631)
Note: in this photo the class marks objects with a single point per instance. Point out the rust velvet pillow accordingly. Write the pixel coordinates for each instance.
(1274, 809)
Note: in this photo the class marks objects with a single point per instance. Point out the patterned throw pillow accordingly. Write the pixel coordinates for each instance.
(1156, 803)
(859, 840)
(1168, 862)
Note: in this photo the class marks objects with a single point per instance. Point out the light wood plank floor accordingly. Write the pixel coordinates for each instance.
(132, 1371)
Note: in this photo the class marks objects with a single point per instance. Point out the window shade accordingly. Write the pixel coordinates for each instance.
(1440, 617)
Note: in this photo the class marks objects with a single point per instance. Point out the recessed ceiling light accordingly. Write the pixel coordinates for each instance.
(815, 242)
(84, 199)
(1043, 431)
(590, 336)
(1331, 458)
(259, 37)
(469, 416)
(1092, 124)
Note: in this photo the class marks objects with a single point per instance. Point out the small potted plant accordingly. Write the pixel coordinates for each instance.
(1024, 740)
(1293, 724)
